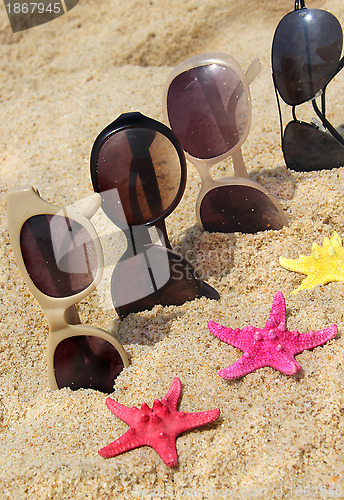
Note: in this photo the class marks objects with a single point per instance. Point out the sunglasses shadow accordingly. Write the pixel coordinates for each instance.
(136, 328)
(211, 254)
(279, 181)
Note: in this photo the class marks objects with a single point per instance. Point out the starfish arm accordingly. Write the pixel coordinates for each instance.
(242, 367)
(306, 284)
(165, 446)
(164, 443)
(311, 282)
(121, 411)
(299, 265)
(283, 362)
(173, 394)
(128, 441)
(277, 314)
(187, 421)
(305, 341)
(236, 338)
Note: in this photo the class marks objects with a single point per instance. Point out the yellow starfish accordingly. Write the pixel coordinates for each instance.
(324, 265)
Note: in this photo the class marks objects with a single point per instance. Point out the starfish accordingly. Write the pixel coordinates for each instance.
(324, 265)
(157, 427)
(272, 346)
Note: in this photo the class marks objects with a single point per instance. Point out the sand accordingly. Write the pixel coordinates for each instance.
(278, 436)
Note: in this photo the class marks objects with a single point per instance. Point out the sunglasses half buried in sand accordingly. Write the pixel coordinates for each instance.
(59, 256)
(306, 56)
(138, 168)
(207, 104)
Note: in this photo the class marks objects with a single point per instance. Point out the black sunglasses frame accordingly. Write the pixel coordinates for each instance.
(138, 237)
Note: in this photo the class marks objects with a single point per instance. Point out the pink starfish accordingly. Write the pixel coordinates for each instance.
(271, 346)
(157, 427)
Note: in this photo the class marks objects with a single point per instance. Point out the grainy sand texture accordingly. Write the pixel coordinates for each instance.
(278, 436)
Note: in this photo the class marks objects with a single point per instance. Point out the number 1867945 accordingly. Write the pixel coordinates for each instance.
(33, 7)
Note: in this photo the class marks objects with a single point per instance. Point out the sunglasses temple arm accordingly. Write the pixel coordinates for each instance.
(162, 227)
(238, 161)
(279, 112)
(323, 102)
(337, 70)
(327, 124)
(86, 207)
(253, 71)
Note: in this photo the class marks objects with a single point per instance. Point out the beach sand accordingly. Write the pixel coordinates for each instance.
(277, 436)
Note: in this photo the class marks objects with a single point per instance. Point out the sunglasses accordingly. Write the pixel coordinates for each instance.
(59, 256)
(207, 104)
(306, 56)
(138, 167)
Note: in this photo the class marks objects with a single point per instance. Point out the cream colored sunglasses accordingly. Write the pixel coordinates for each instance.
(60, 258)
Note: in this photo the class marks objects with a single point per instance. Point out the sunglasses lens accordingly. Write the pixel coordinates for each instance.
(87, 362)
(306, 148)
(144, 166)
(208, 110)
(306, 50)
(233, 208)
(157, 276)
(59, 254)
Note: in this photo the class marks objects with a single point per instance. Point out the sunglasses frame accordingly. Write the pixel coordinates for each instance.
(137, 236)
(61, 312)
(240, 177)
(321, 114)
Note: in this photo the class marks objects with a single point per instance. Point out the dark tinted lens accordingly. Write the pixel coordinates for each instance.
(59, 254)
(208, 110)
(144, 166)
(306, 49)
(234, 208)
(306, 148)
(147, 277)
(87, 362)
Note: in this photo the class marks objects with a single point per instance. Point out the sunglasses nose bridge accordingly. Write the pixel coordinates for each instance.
(62, 316)
(299, 4)
(203, 168)
(56, 319)
(238, 163)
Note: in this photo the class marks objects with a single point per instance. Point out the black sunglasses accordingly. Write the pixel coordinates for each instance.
(139, 169)
(306, 56)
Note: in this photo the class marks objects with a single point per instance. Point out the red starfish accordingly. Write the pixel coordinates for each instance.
(157, 427)
(271, 346)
